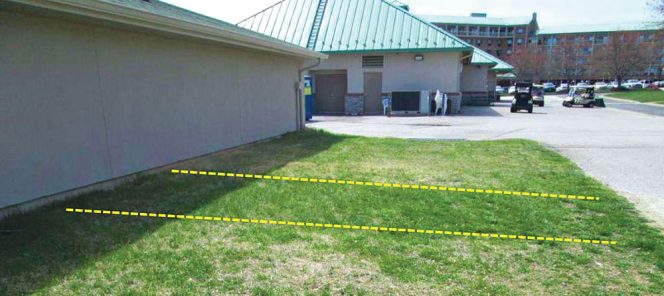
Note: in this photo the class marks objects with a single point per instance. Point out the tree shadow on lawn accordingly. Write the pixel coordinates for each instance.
(53, 244)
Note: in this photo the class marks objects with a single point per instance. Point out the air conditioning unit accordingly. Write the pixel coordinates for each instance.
(410, 102)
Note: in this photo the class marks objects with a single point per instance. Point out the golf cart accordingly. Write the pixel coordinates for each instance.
(523, 98)
(581, 95)
(538, 95)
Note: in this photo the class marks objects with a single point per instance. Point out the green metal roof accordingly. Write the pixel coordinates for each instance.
(502, 67)
(477, 20)
(481, 57)
(599, 28)
(334, 26)
(506, 76)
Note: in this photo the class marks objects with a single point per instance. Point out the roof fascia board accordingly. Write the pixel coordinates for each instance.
(395, 50)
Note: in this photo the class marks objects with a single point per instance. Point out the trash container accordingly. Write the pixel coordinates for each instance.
(308, 99)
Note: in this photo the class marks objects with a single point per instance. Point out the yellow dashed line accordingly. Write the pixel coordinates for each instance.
(346, 226)
(380, 184)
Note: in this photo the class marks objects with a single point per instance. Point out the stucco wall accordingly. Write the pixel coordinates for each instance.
(82, 104)
(474, 78)
(491, 82)
(439, 70)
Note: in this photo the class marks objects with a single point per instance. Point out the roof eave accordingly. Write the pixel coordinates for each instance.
(483, 64)
(132, 17)
(502, 70)
(394, 50)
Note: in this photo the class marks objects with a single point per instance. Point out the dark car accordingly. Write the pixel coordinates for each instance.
(523, 98)
(538, 95)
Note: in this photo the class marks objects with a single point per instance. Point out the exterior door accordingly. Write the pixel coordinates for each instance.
(330, 93)
(373, 90)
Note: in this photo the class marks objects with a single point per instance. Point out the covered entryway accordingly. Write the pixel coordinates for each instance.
(373, 89)
(330, 92)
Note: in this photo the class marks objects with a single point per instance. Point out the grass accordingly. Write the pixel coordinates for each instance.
(58, 253)
(643, 96)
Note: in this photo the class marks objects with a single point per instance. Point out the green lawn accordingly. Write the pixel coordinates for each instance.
(54, 252)
(643, 96)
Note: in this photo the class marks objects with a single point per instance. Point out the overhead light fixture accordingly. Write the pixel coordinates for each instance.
(419, 58)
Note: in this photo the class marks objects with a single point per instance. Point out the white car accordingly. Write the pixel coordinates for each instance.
(600, 85)
(563, 87)
(512, 89)
(632, 83)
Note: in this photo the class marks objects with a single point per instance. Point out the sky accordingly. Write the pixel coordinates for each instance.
(549, 13)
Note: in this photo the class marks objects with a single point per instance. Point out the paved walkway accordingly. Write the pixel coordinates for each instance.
(623, 149)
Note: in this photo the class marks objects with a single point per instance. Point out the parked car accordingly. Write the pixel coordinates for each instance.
(549, 87)
(600, 85)
(500, 89)
(538, 95)
(523, 99)
(563, 87)
(654, 85)
(511, 90)
(632, 84)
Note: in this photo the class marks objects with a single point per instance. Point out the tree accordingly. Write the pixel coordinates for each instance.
(528, 63)
(621, 57)
(567, 60)
(658, 6)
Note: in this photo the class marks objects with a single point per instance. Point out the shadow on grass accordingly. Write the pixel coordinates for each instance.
(52, 244)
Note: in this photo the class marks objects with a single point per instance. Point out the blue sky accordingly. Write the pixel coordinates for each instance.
(550, 13)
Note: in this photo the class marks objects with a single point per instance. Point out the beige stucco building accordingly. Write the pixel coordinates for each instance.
(376, 48)
(98, 90)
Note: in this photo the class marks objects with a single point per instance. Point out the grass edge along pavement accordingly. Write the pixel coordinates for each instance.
(641, 95)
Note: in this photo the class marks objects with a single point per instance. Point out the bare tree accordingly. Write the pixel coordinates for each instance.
(621, 57)
(528, 63)
(567, 60)
(658, 7)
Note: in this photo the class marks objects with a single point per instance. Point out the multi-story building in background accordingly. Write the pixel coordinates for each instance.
(500, 37)
(561, 53)
(575, 52)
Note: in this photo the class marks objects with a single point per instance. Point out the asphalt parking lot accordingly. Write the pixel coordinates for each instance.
(622, 146)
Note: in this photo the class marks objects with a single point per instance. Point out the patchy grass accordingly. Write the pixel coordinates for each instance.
(60, 253)
(643, 96)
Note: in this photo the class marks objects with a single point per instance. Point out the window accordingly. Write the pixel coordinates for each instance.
(499, 43)
(519, 30)
(509, 42)
(479, 42)
(372, 61)
(509, 51)
(489, 42)
(498, 52)
(519, 41)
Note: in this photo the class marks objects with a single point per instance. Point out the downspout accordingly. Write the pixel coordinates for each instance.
(299, 97)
